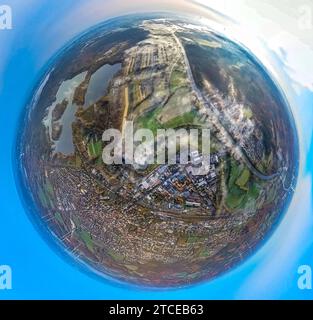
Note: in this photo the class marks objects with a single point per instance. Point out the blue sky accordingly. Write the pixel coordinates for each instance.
(40, 28)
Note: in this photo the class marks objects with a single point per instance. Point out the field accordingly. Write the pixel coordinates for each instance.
(95, 149)
(241, 187)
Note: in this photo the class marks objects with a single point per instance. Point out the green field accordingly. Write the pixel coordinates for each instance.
(243, 179)
(149, 121)
(46, 194)
(95, 149)
(183, 120)
(60, 219)
(178, 79)
(86, 238)
(241, 187)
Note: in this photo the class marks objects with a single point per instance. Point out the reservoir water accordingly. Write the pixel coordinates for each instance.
(99, 82)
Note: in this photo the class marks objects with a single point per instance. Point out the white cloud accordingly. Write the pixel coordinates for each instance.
(278, 25)
(297, 57)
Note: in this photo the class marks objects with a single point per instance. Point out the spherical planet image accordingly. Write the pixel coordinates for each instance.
(157, 224)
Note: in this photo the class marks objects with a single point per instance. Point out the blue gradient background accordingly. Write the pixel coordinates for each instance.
(40, 273)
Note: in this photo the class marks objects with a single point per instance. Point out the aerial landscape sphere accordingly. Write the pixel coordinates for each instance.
(157, 225)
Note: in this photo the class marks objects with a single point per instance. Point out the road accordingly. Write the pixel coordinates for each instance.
(213, 115)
